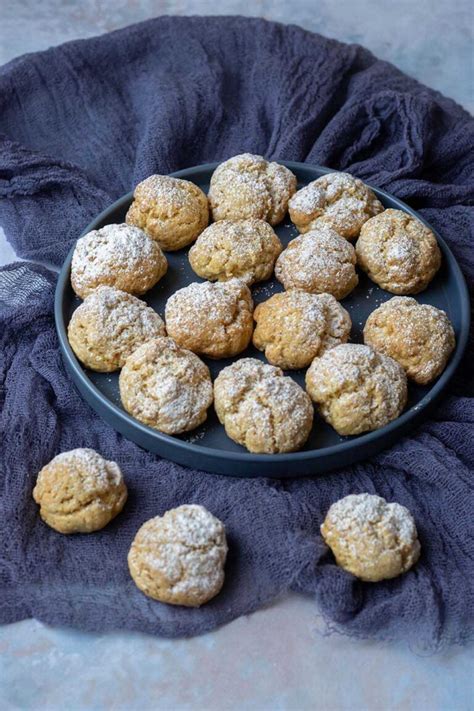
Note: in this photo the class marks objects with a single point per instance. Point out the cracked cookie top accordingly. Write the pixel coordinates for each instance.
(337, 200)
(211, 318)
(246, 249)
(170, 210)
(293, 327)
(179, 558)
(318, 262)
(262, 409)
(166, 387)
(79, 491)
(248, 186)
(356, 388)
(398, 252)
(108, 326)
(418, 336)
(371, 538)
(116, 255)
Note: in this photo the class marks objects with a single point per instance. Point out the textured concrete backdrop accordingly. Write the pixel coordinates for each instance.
(429, 39)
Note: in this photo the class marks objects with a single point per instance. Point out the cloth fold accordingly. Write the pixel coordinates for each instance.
(80, 125)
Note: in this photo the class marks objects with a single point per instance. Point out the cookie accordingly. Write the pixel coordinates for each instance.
(262, 409)
(248, 186)
(370, 538)
(108, 326)
(337, 200)
(246, 249)
(357, 389)
(211, 318)
(398, 252)
(116, 255)
(294, 327)
(320, 262)
(179, 558)
(418, 336)
(166, 387)
(79, 491)
(170, 210)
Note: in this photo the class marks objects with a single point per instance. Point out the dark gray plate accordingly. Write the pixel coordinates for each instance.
(208, 447)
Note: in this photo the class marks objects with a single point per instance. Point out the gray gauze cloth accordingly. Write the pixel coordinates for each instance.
(80, 125)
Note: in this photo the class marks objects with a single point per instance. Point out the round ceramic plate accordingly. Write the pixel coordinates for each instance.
(208, 447)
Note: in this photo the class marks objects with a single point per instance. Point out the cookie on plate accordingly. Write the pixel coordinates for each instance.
(370, 538)
(246, 249)
(398, 252)
(293, 327)
(116, 255)
(179, 558)
(337, 200)
(79, 491)
(262, 409)
(166, 387)
(248, 186)
(170, 210)
(357, 389)
(108, 326)
(320, 262)
(211, 318)
(418, 336)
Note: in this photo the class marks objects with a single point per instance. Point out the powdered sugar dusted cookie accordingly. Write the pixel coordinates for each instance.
(357, 389)
(170, 210)
(116, 255)
(109, 325)
(294, 327)
(318, 262)
(337, 200)
(371, 538)
(166, 387)
(398, 252)
(262, 409)
(248, 186)
(418, 336)
(211, 318)
(79, 491)
(246, 249)
(179, 558)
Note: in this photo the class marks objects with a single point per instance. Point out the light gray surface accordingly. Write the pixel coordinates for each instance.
(430, 39)
(276, 658)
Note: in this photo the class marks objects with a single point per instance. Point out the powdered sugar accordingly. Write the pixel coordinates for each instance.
(119, 255)
(185, 550)
(93, 472)
(339, 200)
(354, 513)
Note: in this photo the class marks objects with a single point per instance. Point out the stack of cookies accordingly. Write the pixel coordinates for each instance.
(164, 382)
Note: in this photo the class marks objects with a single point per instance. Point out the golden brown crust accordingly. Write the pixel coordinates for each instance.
(320, 262)
(293, 327)
(108, 326)
(262, 409)
(79, 491)
(370, 538)
(248, 186)
(211, 318)
(398, 252)
(116, 255)
(337, 200)
(170, 210)
(179, 558)
(418, 336)
(166, 387)
(356, 389)
(245, 249)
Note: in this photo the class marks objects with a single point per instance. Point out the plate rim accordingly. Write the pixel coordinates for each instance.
(360, 442)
